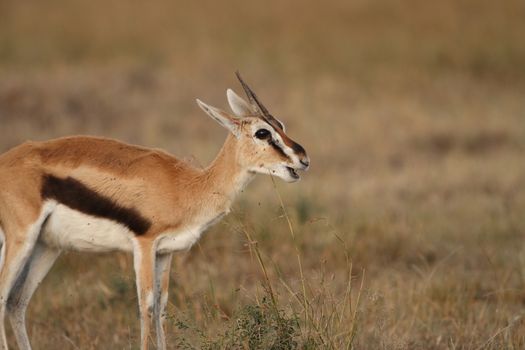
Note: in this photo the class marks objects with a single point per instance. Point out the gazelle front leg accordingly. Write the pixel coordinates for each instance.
(162, 278)
(144, 263)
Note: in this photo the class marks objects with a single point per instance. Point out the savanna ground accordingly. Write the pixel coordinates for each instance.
(407, 233)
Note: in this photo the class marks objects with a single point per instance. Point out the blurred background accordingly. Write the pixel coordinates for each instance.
(413, 114)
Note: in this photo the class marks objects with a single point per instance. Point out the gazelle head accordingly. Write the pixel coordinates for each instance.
(263, 146)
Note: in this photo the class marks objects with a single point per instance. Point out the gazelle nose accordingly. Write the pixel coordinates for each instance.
(306, 162)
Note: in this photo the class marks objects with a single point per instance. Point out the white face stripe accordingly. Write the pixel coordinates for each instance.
(274, 166)
(287, 150)
(278, 141)
(281, 124)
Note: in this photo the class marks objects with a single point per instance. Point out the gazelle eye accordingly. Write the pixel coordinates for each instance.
(262, 134)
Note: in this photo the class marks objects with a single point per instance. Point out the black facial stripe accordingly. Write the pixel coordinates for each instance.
(278, 148)
(277, 126)
(297, 148)
(76, 195)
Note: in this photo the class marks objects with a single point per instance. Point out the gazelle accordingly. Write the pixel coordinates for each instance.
(95, 195)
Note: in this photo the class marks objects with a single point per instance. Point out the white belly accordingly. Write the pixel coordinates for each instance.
(179, 240)
(183, 239)
(69, 229)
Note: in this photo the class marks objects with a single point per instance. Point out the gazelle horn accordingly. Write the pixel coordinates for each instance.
(256, 103)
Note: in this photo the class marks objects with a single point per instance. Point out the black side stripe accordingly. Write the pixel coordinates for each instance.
(75, 195)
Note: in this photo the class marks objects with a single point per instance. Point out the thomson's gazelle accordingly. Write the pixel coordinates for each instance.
(94, 194)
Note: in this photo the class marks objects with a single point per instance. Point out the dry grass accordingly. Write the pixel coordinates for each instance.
(413, 115)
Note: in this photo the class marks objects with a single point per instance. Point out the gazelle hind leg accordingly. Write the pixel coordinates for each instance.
(162, 278)
(16, 256)
(18, 245)
(144, 264)
(2, 248)
(35, 270)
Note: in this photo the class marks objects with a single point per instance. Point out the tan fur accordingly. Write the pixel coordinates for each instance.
(149, 180)
(170, 194)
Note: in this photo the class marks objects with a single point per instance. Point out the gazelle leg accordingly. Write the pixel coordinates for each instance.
(144, 263)
(35, 270)
(162, 278)
(19, 238)
(16, 256)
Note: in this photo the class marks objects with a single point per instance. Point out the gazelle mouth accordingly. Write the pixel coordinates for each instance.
(293, 173)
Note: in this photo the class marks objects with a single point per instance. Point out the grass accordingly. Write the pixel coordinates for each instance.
(405, 234)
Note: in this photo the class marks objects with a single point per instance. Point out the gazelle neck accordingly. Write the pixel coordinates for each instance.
(225, 175)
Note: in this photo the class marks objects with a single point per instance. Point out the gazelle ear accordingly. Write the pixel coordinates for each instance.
(221, 117)
(239, 106)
